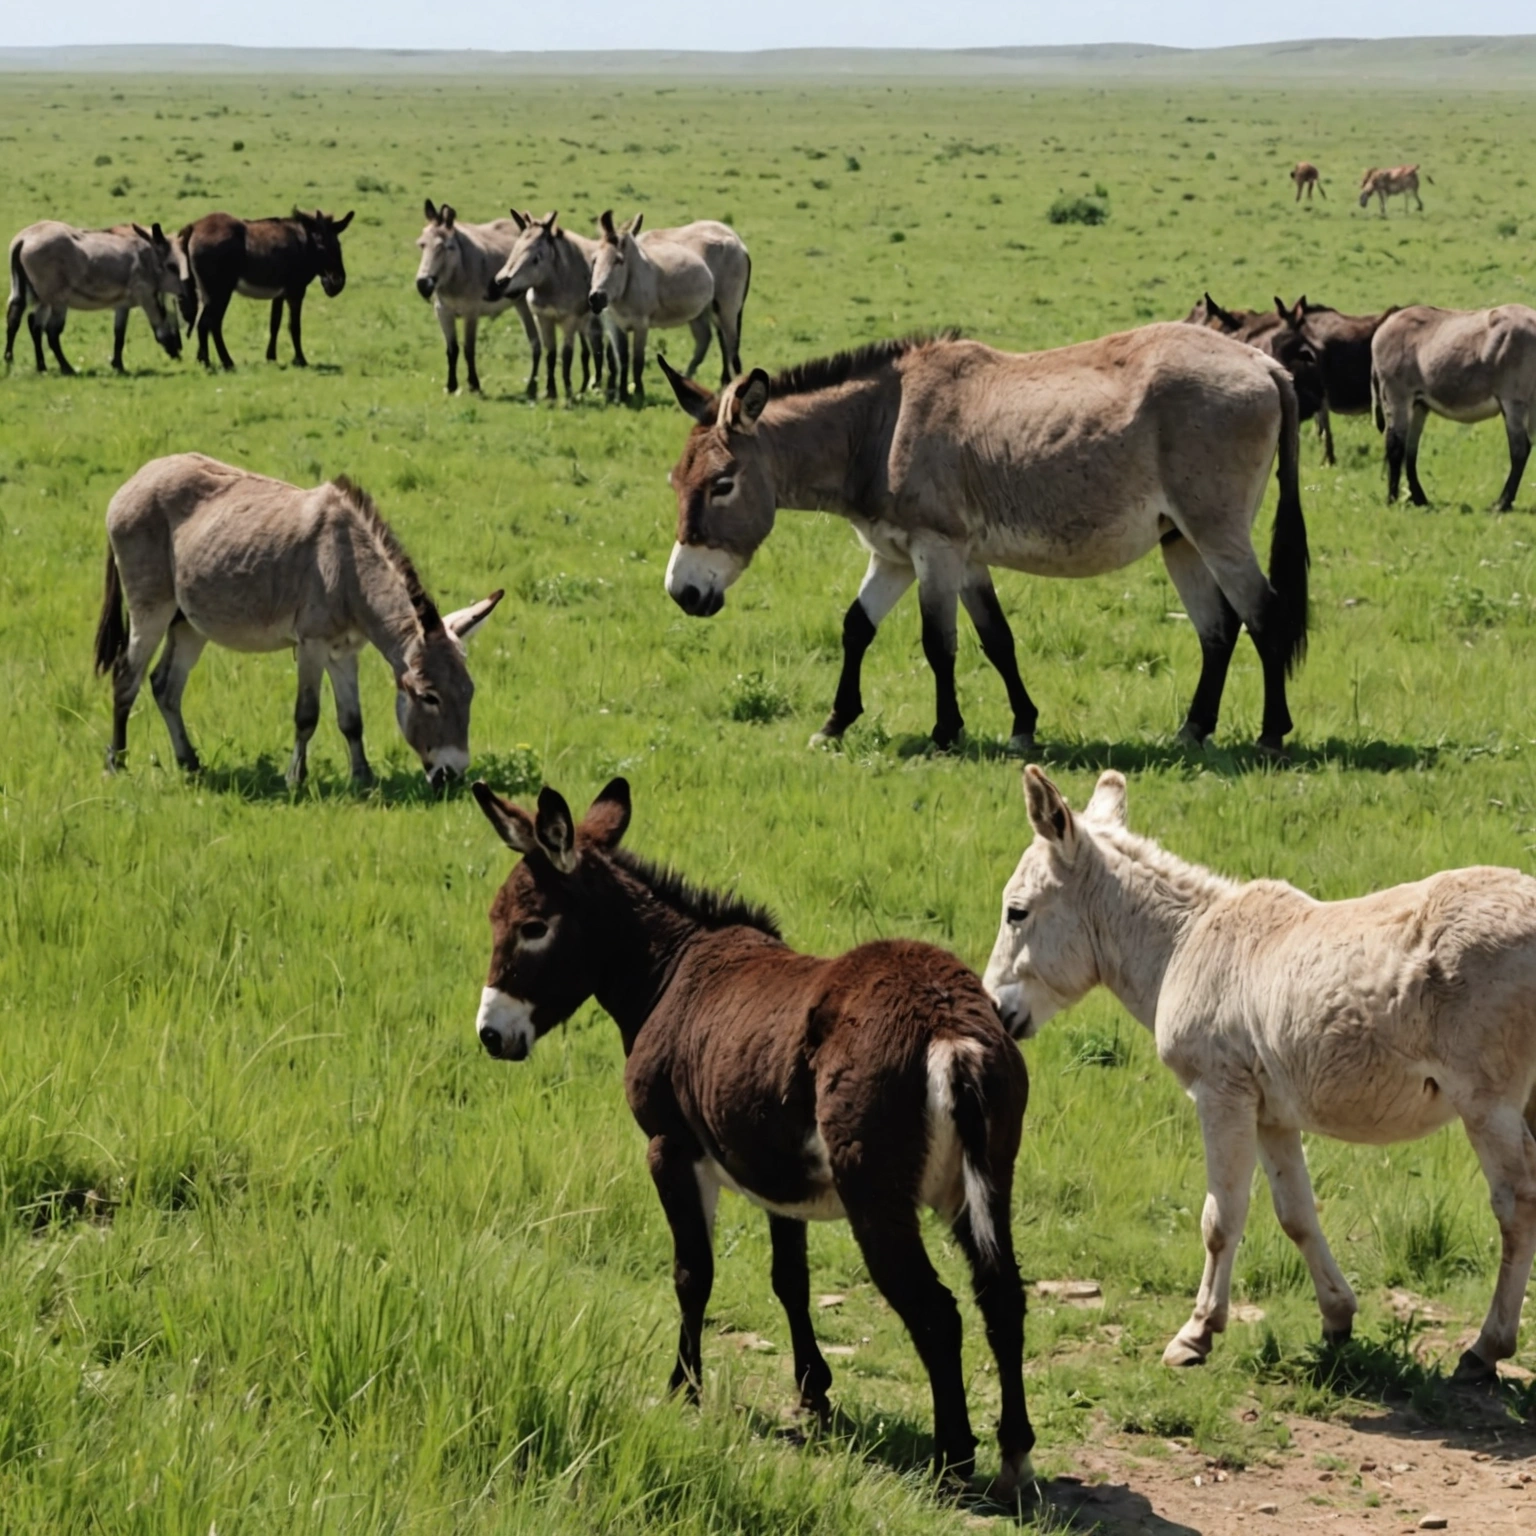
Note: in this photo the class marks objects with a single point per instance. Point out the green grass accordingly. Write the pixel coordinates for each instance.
(335, 1271)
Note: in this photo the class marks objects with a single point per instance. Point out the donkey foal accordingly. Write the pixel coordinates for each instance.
(860, 1088)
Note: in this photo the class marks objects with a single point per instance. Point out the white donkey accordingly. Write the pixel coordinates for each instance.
(1375, 1020)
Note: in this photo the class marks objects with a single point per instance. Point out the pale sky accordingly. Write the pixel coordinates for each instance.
(607, 24)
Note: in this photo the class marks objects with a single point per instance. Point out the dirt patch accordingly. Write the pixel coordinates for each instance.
(1375, 1473)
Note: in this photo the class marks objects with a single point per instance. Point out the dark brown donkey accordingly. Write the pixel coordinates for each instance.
(859, 1088)
(1266, 330)
(274, 259)
(1342, 346)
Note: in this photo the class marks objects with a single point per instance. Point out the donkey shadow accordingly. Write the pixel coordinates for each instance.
(1133, 757)
(265, 781)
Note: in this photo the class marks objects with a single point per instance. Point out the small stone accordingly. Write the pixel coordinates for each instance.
(1079, 1291)
(1401, 1466)
(838, 1349)
(1269, 1509)
(1325, 1477)
(830, 1301)
(1433, 1523)
(1367, 1466)
(1246, 1312)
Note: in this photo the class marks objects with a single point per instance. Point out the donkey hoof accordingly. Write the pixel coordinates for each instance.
(827, 737)
(1272, 749)
(1020, 744)
(1182, 1353)
(1190, 735)
(1337, 1338)
(1015, 1480)
(1473, 1370)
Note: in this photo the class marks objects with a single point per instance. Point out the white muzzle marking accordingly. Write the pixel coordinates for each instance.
(504, 1025)
(453, 761)
(697, 576)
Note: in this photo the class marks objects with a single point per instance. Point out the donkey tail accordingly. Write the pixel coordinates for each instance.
(741, 308)
(1289, 558)
(111, 628)
(21, 289)
(1376, 410)
(961, 1089)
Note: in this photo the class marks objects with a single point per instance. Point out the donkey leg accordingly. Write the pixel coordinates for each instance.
(903, 1273)
(702, 335)
(35, 330)
(471, 340)
(1285, 1166)
(13, 313)
(448, 325)
(1247, 589)
(618, 364)
(183, 645)
(214, 311)
(980, 599)
(275, 325)
(792, 1285)
(1217, 625)
(296, 327)
(1517, 417)
(119, 331)
(146, 629)
(342, 671)
(1416, 421)
(940, 576)
(1506, 1148)
(546, 324)
(1325, 431)
(55, 330)
(688, 1197)
(306, 708)
(637, 356)
(883, 584)
(1000, 1296)
(1228, 1128)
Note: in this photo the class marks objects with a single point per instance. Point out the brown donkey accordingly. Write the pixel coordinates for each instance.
(861, 1088)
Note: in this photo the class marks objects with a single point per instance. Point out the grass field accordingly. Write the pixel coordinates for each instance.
(337, 1271)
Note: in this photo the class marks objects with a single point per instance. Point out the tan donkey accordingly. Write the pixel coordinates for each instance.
(1376, 1020)
(204, 551)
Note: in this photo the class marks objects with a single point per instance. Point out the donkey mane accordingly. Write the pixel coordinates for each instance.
(362, 503)
(713, 909)
(1188, 881)
(856, 363)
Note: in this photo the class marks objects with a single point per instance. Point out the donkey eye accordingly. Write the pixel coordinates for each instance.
(1016, 915)
(533, 931)
(722, 487)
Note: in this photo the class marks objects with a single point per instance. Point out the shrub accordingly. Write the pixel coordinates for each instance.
(757, 700)
(1078, 210)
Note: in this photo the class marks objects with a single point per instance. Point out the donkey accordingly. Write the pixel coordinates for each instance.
(549, 269)
(1342, 346)
(1305, 174)
(274, 259)
(648, 277)
(1376, 1020)
(457, 272)
(948, 458)
(861, 1088)
(1466, 365)
(204, 551)
(1264, 329)
(1401, 180)
(56, 268)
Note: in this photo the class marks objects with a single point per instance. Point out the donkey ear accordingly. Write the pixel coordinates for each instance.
(607, 817)
(157, 234)
(555, 830)
(1282, 308)
(743, 402)
(694, 399)
(632, 226)
(429, 208)
(547, 223)
(1107, 807)
(1049, 813)
(518, 219)
(341, 224)
(142, 233)
(514, 826)
(463, 622)
(605, 223)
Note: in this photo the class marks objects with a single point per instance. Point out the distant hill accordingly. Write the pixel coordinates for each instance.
(1472, 61)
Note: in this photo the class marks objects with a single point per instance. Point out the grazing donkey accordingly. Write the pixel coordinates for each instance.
(1342, 346)
(56, 268)
(949, 458)
(655, 280)
(274, 259)
(1376, 1020)
(1264, 329)
(550, 270)
(1401, 179)
(457, 273)
(861, 1088)
(1463, 364)
(203, 551)
(1305, 174)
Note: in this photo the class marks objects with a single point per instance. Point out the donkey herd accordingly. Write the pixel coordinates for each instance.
(887, 1080)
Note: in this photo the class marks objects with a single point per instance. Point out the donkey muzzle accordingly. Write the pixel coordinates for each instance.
(424, 286)
(598, 302)
(697, 603)
(504, 1026)
(333, 283)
